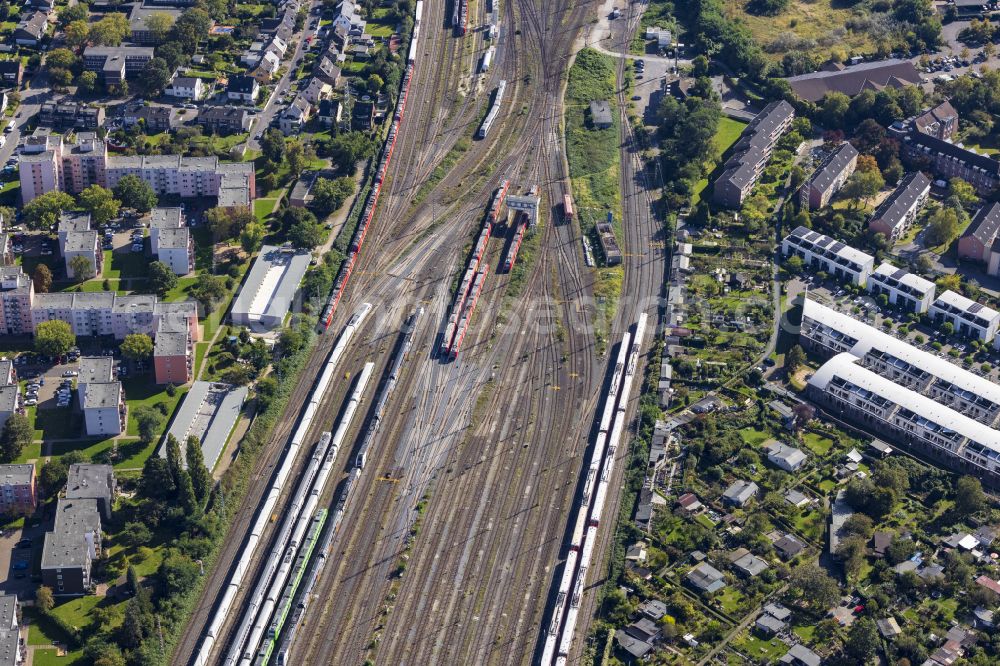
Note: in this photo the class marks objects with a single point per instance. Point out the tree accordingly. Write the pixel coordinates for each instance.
(44, 600)
(794, 264)
(155, 75)
(110, 30)
(148, 420)
(60, 78)
(862, 640)
(969, 496)
(266, 389)
(186, 495)
(54, 338)
(329, 195)
(42, 212)
(42, 277)
(835, 106)
(135, 534)
(156, 481)
(965, 192)
(942, 227)
(68, 14)
(863, 185)
(273, 146)
(238, 375)
(17, 434)
(859, 524)
(63, 58)
(135, 193)
(375, 83)
(210, 290)
(925, 263)
(307, 234)
(87, 82)
(82, 268)
(346, 150)
(100, 202)
(794, 359)
(252, 237)
(201, 480)
(137, 346)
(295, 157)
(161, 278)
(77, 33)
(228, 222)
(159, 25)
(811, 585)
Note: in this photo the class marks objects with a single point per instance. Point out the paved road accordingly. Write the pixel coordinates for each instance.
(34, 94)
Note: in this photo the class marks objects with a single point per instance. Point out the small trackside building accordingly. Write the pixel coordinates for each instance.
(831, 175)
(822, 253)
(904, 289)
(895, 215)
(269, 291)
(969, 318)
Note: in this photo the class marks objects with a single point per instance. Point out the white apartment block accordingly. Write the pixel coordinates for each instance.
(103, 313)
(17, 292)
(84, 244)
(50, 164)
(969, 318)
(70, 221)
(176, 250)
(163, 218)
(822, 253)
(904, 289)
(104, 409)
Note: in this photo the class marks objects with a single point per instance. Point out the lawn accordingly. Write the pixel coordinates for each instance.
(142, 392)
(119, 265)
(50, 657)
(754, 437)
(761, 650)
(132, 454)
(200, 349)
(817, 443)
(32, 451)
(76, 612)
(726, 135)
(262, 208)
(180, 290)
(729, 600)
(57, 423)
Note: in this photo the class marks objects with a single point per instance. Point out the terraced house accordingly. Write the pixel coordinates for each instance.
(822, 253)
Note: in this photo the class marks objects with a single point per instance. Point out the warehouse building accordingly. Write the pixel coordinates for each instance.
(208, 412)
(270, 288)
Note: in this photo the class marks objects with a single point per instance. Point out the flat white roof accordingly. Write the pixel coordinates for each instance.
(911, 280)
(870, 337)
(208, 411)
(831, 245)
(964, 304)
(845, 366)
(267, 294)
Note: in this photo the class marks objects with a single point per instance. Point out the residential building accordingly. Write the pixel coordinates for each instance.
(93, 370)
(705, 578)
(17, 292)
(822, 253)
(835, 77)
(73, 167)
(270, 287)
(162, 219)
(903, 289)
(176, 250)
(267, 67)
(86, 244)
(71, 547)
(94, 482)
(600, 114)
(242, 88)
(949, 160)
(8, 375)
(749, 565)
(785, 457)
(363, 115)
(831, 175)
(980, 236)
(347, 17)
(11, 72)
(186, 87)
(295, 116)
(10, 636)
(104, 409)
(172, 358)
(329, 71)
(30, 29)
(317, 90)
(18, 494)
(969, 318)
(176, 316)
(940, 122)
(208, 412)
(916, 405)
(800, 655)
(10, 403)
(66, 114)
(826, 332)
(751, 153)
(155, 119)
(896, 214)
(225, 119)
(138, 22)
(330, 113)
(115, 63)
(788, 546)
(740, 493)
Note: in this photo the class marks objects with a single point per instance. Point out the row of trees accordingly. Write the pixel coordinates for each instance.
(41, 213)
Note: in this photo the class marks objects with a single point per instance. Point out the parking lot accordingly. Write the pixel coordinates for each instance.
(18, 548)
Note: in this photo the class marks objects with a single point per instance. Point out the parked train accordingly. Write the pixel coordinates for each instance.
(491, 117)
(611, 427)
(368, 212)
(278, 483)
(460, 16)
(520, 226)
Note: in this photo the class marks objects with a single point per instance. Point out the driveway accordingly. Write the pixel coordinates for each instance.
(16, 563)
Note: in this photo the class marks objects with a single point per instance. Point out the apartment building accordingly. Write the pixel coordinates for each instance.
(104, 409)
(969, 318)
(52, 164)
(949, 160)
(941, 122)
(85, 481)
(172, 358)
(751, 152)
(66, 114)
(225, 119)
(70, 222)
(831, 175)
(86, 244)
(104, 313)
(71, 547)
(822, 253)
(979, 238)
(175, 248)
(17, 292)
(242, 88)
(896, 214)
(186, 87)
(904, 289)
(160, 219)
(115, 63)
(826, 333)
(93, 370)
(18, 492)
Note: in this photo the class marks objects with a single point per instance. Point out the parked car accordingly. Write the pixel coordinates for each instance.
(71, 373)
